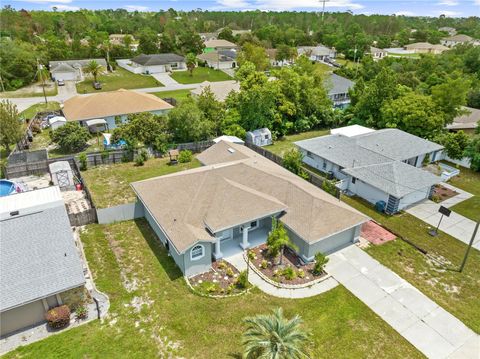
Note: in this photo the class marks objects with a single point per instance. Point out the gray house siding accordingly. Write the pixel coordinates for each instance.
(193, 267)
(413, 197)
(322, 164)
(367, 192)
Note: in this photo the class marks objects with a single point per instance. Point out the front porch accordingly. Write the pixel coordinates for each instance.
(225, 248)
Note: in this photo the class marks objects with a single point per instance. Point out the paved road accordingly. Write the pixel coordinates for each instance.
(430, 328)
(455, 225)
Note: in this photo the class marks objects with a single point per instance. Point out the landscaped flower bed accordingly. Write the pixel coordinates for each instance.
(222, 279)
(292, 270)
(441, 193)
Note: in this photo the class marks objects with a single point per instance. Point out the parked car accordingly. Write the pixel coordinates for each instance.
(97, 85)
(60, 83)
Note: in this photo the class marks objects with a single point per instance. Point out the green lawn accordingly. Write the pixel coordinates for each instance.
(282, 145)
(120, 79)
(179, 95)
(32, 110)
(174, 322)
(200, 74)
(458, 293)
(110, 184)
(469, 181)
(29, 91)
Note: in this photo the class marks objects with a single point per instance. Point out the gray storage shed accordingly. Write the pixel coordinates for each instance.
(260, 137)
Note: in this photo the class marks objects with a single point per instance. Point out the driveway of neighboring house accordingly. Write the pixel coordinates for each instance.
(455, 225)
(430, 328)
(165, 79)
(229, 72)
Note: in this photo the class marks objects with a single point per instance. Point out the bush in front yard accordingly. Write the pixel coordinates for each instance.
(58, 317)
(320, 262)
(242, 280)
(185, 156)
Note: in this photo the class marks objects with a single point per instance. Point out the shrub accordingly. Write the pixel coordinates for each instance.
(242, 280)
(329, 186)
(71, 137)
(251, 255)
(301, 273)
(230, 272)
(185, 156)
(105, 155)
(436, 198)
(222, 265)
(208, 287)
(230, 288)
(83, 161)
(81, 312)
(320, 262)
(142, 157)
(292, 161)
(58, 317)
(289, 273)
(264, 264)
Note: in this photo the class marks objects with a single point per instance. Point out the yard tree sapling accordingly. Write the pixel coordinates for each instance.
(278, 239)
(191, 62)
(71, 137)
(10, 125)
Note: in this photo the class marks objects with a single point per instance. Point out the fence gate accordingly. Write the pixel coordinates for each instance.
(62, 179)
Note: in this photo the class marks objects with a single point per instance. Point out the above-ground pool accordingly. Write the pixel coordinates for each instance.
(7, 187)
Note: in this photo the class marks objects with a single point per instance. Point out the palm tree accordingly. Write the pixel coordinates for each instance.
(191, 62)
(272, 336)
(278, 239)
(94, 68)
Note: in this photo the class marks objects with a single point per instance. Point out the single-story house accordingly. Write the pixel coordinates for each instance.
(108, 109)
(377, 54)
(39, 262)
(71, 70)
(449, 30)
(350, 131)
(461, 39)
(232, 139)
(317, 53)
(228, 204)
(272, 56)
(425, 48)
(208, 36)
(379, 166)
(119, 39)
(220, 89)
(218, 44)
(221, 59)
(337, 90)
(259, 137)
(467, 122)
(153, 64)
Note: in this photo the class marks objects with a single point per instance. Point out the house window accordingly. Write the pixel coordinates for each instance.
(253, 225)
(324, 165)
(354, 180)
(309, 154)
(174, 65)
(266, 137)
(197, 252)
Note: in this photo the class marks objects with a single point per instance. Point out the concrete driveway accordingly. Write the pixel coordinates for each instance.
(430, 328)
(165, 79)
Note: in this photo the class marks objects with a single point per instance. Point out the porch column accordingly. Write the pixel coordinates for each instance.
(245, 243)
(218, 254)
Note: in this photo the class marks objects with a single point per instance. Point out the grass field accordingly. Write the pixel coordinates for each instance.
(179, 95)
(458, 293)
(200, 74)
(469, 181)
(158, 317)
(34, 90)
(32, 110)
(120, 79)
(282, 145)
(110, 184)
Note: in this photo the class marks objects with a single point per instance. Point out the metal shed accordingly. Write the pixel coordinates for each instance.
(61, 174)
(56, 122)
(259, 137)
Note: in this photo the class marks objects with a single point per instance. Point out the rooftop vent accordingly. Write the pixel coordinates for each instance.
(231, 150)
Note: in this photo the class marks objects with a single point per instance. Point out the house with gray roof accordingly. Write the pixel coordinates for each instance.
(153, 64)
(337, 90)
(379, 166)
(227, 205)
(317, 53)
(71, 70)
(40, 264)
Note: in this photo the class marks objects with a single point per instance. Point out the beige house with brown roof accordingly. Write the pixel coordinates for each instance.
(112, 107)
(425, 48)
(228, 205)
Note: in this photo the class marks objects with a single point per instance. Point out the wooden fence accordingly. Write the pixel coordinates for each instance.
(312, 177)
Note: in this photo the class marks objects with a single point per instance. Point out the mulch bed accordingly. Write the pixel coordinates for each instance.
(290, 259)
(442, 193)
(221, 279)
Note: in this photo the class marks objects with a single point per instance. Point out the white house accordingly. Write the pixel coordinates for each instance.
(317, 53)
(459, 39)
(220, 59)
(379, 166)
(337, 90)
(71, 70)
(153, 64)
(377, 54)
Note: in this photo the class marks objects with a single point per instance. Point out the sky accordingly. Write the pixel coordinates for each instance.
(450, 8)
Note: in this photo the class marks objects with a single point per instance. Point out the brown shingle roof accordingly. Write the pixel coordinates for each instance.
(227, 194)
(121, 102)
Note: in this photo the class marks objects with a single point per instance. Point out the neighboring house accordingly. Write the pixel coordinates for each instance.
(208, 36)
(259, 137)
(153, 64)
(232, 139)
(425, 48)
(220, 90)
(467, 122)
(377, 54)
(215, 45)
(337, 90)
(379, 166)
(106, 110)
(272, 56)
(459, 39)
(317, 53)
(40, 264)
(450, 30)
(71, 70)
(228, 205)
(221, 59)
(119, 39)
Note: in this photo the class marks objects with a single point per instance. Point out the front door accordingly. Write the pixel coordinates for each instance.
(226, 235)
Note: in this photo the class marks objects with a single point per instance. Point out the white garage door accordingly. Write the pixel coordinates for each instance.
(64, 76)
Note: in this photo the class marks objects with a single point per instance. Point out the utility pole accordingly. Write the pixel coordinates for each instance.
(41, 76)
(469, 245)
(323, 8)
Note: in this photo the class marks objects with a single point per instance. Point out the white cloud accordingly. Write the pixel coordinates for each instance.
(48, 1)
(448, 2)
(233, 4)
(476, 2)
(280, 5)
(61, 7)
(136, 8)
